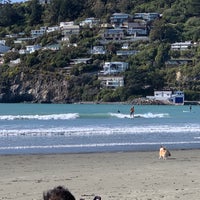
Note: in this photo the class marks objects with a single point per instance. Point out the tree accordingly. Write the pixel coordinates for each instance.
(162, 54)
(54, 11)
(98, 9)
(164, 32)
(8, 15)
(35, 12)
(10, 56)
(193, 8)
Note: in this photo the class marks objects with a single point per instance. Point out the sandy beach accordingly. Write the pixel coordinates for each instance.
(113, 176)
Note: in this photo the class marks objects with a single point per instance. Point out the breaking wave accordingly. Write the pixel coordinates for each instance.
(40, 117)
(100, 131)
(145, 115)
(69, 116)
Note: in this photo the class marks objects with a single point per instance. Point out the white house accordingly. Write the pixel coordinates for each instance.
(15, 62)
(111, 81)
(90, 22)
(22, 40)
(97, 50)
(2, 42)
(81, 61)
(29, 49)
(146, 16)
(64, 24)
(53, 28)
(70, 30)
(114, 67)
(125, 46)
(161, 95)
(181, 45)
(53, 47)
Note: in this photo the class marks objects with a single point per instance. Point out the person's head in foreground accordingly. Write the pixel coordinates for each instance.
(58, 193)
(97, 198)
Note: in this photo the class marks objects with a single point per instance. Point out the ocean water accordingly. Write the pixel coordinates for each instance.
(78, 128)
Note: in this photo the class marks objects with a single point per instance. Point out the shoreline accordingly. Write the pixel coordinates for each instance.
(111, 175)
(93, 152)
(142, 150)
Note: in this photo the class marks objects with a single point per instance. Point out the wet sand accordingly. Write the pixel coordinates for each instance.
(113, 176)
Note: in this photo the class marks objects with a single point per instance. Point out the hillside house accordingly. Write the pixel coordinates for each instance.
(23, 40)
(125, 46)
(126, 52)
(111, 81)
(53, 28)
(53, 47)
(146, 16)
(113, 34)
(38, 33)
(81, 61)
(3, 42)
(4, 49)
(44, 1)
(91, 22)
(63, 24)
(11, 36)
(15, 62)
(119, 20)
(29, 49)
(98, 50)
(69, 28)
(178, 62)
(181, 45)
(114, 67)
(138, 28)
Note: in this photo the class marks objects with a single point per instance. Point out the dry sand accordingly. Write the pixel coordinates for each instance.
(113, 176)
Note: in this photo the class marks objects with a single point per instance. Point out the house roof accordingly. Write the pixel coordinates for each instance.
(4, 49)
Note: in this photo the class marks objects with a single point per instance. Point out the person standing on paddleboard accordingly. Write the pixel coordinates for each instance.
(132, 110)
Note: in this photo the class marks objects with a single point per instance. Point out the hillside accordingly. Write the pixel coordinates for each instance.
(162, 52)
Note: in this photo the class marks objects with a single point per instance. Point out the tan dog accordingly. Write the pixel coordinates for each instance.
(164, 153)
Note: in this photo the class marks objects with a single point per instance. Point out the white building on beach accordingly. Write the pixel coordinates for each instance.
(177, 97)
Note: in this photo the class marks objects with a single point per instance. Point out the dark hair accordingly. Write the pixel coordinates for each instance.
(58, 193)
(97, 198)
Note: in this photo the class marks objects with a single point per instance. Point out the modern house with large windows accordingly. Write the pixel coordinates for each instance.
(114, 67)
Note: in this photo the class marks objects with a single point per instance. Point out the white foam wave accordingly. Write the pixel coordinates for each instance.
(145, 115)
(95, 145)
(153, 115)
(40, 117)
(98, 130)
(76, 115)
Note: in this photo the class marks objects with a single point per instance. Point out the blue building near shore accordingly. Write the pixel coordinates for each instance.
(178, 98)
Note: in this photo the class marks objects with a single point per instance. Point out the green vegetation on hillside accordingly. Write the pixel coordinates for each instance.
(147, 71)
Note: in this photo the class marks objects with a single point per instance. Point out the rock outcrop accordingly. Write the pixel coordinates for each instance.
(37, 88)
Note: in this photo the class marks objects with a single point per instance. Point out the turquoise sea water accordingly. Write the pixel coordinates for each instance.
(77, 128)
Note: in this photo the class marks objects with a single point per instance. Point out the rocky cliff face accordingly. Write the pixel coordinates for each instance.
(37, 88)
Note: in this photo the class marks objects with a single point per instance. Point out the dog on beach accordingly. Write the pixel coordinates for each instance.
(164, 153)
